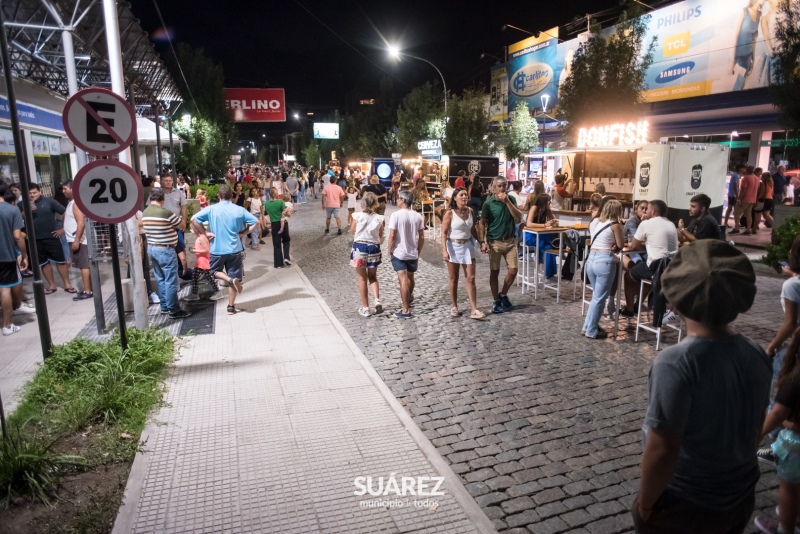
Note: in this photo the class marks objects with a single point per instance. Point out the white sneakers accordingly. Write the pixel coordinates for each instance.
(670, 318)
(378, 306)
(13, 329)
(364, 312)
(154, 298)
(26, 309)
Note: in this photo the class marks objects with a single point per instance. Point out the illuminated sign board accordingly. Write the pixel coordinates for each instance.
(430, 149)
(619, 134)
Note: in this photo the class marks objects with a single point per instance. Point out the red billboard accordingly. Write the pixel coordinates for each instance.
(256, 105)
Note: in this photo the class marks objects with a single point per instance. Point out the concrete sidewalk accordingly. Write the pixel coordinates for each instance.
(269, 422)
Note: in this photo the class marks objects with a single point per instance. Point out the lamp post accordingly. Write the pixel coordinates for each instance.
(734, 133)
(396, 54)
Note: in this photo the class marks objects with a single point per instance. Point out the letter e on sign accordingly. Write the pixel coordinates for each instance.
(107, 191)
(99, 121)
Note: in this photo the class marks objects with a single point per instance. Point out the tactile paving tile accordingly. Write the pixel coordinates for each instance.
(303, 384)
(312, 401)
(345, 515)
(377, 441)
(294, 368)
(346, 379)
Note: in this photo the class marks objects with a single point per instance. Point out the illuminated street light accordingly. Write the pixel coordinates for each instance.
(297, 116)
(394, 51)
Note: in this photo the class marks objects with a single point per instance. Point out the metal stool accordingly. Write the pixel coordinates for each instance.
(559, 265)
(656, 331)
(584, 302)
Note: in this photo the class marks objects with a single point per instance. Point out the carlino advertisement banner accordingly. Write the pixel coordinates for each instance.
(703, 47)
(498, 95)
(530, 69)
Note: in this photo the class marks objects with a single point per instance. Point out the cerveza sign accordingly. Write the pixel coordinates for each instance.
(430, 148)
(531, 79)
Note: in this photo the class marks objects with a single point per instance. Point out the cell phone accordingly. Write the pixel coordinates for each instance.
(783, 263)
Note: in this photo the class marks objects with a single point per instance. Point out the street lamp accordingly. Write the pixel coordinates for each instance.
(730, 149)
(395, 52)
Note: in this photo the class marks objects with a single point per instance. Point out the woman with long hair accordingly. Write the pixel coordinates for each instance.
(238, 194)
(540, 217)
(459, 237)
(254, 206)
(421, 197)
(601, 265)
(365, 256)
(476, 192)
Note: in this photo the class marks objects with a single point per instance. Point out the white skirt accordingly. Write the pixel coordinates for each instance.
(461, 253)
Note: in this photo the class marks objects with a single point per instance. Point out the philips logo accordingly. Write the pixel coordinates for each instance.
(673, 73)
(531, 79)
(677, 18)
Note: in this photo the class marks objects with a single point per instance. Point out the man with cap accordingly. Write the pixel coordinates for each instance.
(707, 401)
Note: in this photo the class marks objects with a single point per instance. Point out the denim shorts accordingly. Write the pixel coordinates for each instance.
(404, 265)
(331, 212)
(787, 456)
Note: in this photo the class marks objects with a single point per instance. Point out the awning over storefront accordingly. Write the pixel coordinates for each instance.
(146, 132)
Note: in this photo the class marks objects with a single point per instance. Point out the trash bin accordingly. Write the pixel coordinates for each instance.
(127, 294)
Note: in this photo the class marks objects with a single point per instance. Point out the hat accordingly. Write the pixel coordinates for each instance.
(710, 282)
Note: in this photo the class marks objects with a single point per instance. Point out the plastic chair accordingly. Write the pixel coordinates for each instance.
(656, 331)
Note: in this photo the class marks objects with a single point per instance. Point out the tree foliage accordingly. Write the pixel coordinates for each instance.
(420, 116)
(786, 86)
(467, 125)
(608, 73)
(521, 135)
(311, 155)
(210, 133)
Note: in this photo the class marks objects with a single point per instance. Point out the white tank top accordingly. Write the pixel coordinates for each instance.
(603, 240)
(459, 228)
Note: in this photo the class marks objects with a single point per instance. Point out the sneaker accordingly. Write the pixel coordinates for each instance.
(734, 231)
(766, 456)
(27, 309)
(601, 334)
(505, 302)
(261, 242)
(626, 313)
(497, 307)
(232, 310)
(83, 295)
(797, 525)
(400, 315)
(191, 297)
(164, 312)
(13, 329)
(378, 306)
(237, 285)
(327, 230)
(154, 298)
(287, 263)
(364, 312)
(612, 307)
(339, 232)
(670, 318)
(180, 314)
(767, 524)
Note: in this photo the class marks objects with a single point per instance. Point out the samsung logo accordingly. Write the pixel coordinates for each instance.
(677, 18)
(675, 72)
(531, 79)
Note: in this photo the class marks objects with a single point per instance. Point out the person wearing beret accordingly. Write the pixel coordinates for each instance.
(708, 397)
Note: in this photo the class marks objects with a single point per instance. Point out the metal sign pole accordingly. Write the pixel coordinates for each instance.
(3, 420)
(123, 331)
(24, 177)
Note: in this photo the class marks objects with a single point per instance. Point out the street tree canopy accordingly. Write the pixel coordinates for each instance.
(420, 116)
(467, 125)
(786, 44)
(608, 73)
(521, 135)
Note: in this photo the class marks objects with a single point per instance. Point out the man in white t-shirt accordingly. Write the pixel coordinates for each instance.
(406, 237)
(75, 231)
(659, 236)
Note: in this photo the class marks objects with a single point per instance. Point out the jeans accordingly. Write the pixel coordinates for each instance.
(302, 195)
(165, 268)
(280, 243)
(255, 236)
(600, 269)
(777, 363)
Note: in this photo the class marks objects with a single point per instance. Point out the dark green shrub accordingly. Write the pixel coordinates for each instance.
(783, 238)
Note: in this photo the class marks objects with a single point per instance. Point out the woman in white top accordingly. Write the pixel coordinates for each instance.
(458, 249)
(367, 229)
(253, 205)
(601, 265)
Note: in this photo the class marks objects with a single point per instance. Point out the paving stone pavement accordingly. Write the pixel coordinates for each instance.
(543, 425)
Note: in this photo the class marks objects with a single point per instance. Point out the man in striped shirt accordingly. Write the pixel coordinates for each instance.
(160, 226)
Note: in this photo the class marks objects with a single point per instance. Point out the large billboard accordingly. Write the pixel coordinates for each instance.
(326, 130)
(703, 47)
(256, 105)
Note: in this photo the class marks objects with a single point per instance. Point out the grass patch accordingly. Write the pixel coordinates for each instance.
(83, 389)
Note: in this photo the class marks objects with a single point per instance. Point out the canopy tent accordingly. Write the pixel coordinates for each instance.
(146, 132)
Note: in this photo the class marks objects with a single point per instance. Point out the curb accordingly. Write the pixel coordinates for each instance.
(460, 493)
(126, 516)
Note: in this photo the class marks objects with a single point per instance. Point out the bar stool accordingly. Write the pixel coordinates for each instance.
(653, 329)
(559, 264)
(584, 302)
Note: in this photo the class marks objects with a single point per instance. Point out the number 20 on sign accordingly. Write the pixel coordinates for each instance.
(108, 191)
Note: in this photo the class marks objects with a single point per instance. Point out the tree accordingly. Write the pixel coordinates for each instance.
(210, 132)
(420, 116)
(312, 155)
(521, 135)
(607, 78)
(786, 85)
(468, 125)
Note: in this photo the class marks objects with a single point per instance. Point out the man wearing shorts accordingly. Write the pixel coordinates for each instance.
(47, 239)
(332, 197)
(11, 240)
(75, 231)
(225, 220)
(406, 237)
(498, 238)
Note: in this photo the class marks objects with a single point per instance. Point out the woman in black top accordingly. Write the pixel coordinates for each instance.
(238, 195)
(476, 193)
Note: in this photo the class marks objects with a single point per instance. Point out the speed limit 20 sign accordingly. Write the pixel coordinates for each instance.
(108, 191)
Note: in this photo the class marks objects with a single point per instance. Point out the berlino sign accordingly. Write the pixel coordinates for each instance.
(632, 133)
(256, 105)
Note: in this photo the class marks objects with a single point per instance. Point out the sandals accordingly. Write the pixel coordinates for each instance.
(454, 312)
(49, 291)
(70, 290)
(231, 310)
(477, 314)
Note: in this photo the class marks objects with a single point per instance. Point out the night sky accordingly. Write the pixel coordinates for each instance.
(268, 43)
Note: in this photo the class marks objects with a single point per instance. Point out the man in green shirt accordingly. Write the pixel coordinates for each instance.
(498, 235)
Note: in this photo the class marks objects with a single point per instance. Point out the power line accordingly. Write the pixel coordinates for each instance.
(169, 40)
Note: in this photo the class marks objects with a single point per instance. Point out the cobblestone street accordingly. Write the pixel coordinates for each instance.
(542, 424)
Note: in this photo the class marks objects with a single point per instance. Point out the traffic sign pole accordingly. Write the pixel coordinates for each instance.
(123, 329)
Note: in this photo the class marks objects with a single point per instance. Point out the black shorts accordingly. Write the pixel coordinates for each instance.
(640, 271)
(9, 274)
(50, 249)
(731, 201)
(80, 259)
(232, 263)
